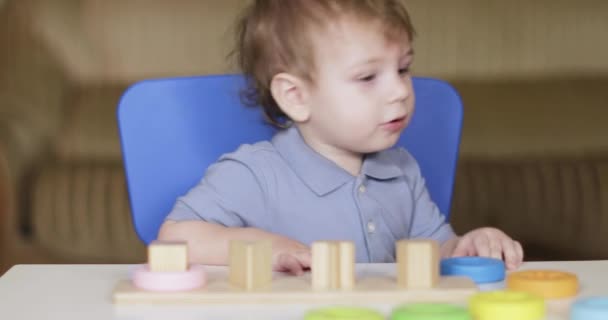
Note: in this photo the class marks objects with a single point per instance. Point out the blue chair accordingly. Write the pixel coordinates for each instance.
(172, 129)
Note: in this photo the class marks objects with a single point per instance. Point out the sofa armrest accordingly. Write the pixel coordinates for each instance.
(33, 90)
(4, 202)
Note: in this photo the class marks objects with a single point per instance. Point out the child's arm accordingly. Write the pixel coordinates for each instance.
(219, 209)
(428, 222)
(208, 244)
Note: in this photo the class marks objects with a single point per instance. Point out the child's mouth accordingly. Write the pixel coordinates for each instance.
(395, 124)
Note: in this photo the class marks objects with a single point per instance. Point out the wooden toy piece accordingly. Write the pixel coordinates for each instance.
(375, 287)
(195, 277)
(333, 272)
(479, 269)
(325, 265)
(168, 269)
(343, 312)
(250, 264)
(333, 265)
(590, 308)
(430, 311)
(347, 264)
(168, 256)
(417, 263)
(321, 266)
(549, 284)
(503, 305)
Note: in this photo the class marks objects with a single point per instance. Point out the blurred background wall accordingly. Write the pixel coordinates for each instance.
(532, 74)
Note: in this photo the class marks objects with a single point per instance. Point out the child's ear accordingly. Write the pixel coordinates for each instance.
(291, 95)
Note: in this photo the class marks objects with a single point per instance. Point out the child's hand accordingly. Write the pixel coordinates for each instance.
(290, 256)
(490, 242)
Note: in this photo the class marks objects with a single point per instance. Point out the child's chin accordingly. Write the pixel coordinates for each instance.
(381, 146)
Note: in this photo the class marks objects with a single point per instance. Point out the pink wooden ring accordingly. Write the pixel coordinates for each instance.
(193, 278)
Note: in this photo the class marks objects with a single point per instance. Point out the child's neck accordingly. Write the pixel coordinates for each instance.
(351, 162)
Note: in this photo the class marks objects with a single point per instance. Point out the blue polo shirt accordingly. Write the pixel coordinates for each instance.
(285, 187)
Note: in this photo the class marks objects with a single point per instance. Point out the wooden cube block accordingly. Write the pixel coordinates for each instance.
(250, 264)
(168, 256)
(333, 265)
(417, 263)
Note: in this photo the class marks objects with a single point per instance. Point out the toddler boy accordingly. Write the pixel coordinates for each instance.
(335, 76)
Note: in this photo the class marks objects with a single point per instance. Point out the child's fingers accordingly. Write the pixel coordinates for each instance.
(482, 245)
(289, 263)
(512, 257)
(304, 258)
(520, 251)
(462, 248)
(496, 248)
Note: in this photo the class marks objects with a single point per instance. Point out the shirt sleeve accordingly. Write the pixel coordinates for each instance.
(427, 221)
(229, 194)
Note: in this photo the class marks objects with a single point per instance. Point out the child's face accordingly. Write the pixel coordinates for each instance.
(362, 96)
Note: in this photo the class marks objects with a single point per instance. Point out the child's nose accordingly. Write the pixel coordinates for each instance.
(400, 89)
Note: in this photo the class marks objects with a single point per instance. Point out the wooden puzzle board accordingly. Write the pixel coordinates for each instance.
(370, 288)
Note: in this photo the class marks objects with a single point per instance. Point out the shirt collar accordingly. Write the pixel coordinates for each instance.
(321, 174)
(381, 166)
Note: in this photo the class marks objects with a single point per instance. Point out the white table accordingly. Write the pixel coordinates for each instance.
(84, 292)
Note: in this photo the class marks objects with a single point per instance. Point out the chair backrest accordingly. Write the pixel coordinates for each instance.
(172, 129)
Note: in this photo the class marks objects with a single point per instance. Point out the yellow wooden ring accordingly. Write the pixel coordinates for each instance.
(507, 305)
(545, 283)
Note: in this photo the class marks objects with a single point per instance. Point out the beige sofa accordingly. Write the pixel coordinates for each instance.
(532, 74)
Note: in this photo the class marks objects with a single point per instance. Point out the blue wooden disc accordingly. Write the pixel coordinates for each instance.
(479, 269)
(595, 308)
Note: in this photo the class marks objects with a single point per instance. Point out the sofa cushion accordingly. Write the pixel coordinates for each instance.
(502, 118)
(90, 128)
(557, 206)
(81, 211)
(535, 117)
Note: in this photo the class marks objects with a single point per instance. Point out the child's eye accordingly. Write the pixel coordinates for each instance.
(403, 71)
(367, 78)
